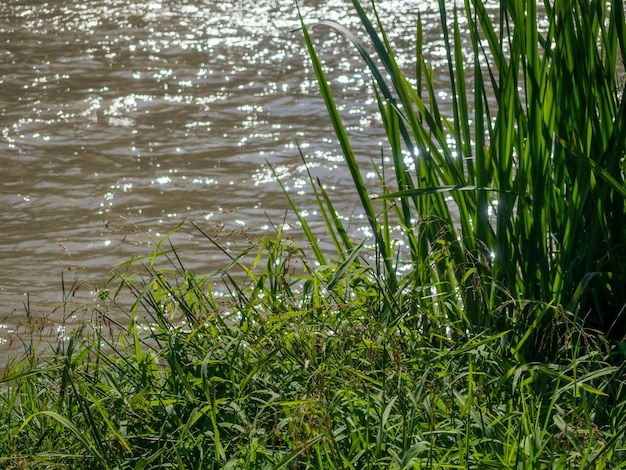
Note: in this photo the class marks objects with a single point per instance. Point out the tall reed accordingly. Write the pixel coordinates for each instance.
(517, 202)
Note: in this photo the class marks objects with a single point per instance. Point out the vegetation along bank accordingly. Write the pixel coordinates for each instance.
(482, 326)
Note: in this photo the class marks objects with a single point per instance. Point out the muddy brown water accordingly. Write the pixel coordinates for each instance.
(120, 119)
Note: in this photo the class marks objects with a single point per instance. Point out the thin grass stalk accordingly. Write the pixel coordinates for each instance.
(350, 158)
(319, 255)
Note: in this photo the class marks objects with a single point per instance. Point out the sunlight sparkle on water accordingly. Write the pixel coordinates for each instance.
(129, 89)
(162, 180)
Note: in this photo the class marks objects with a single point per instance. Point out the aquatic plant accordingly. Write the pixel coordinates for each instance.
(518, 195)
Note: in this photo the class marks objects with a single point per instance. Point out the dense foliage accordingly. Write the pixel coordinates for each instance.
(521, 201)
(274, 379)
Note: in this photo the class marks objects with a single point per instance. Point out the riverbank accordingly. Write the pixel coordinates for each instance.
(478, 324)
(301, 368)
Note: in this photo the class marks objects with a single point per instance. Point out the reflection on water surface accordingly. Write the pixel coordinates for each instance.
(120, 119)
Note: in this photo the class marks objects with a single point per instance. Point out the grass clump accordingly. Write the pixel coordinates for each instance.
(498, 345)
(521, 200)
(285, 372)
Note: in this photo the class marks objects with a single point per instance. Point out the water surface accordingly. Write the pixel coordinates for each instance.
(120, 119)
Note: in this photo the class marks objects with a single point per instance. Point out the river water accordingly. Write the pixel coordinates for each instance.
(120, 119)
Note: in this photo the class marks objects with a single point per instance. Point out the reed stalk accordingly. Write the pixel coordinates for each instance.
(513, 203)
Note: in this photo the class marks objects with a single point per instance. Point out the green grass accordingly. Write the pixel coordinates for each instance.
(489, 338)
(284, 372)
